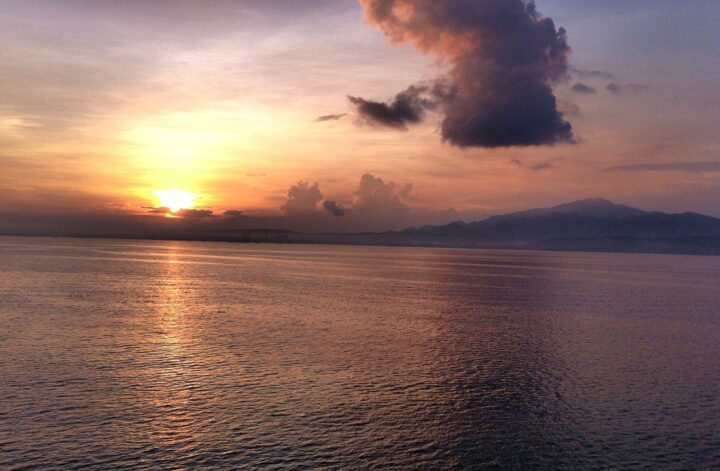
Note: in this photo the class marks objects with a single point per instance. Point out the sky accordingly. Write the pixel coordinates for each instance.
(347, 115)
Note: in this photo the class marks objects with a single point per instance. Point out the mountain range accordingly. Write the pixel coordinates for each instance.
(591, 224)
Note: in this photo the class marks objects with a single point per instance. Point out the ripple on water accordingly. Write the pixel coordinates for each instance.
(158, 355)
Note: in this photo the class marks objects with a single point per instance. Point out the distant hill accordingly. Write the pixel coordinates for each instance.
(592, 224)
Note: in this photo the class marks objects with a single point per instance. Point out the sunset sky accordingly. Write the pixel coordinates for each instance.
(106, 105)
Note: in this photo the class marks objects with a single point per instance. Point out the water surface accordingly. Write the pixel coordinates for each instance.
(166, 355)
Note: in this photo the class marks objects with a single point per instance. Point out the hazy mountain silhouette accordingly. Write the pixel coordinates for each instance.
(592, 224)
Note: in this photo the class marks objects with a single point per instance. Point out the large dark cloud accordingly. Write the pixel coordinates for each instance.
(505, 58)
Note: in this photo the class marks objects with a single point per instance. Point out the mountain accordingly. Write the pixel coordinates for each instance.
(595, 207)
(592, 224)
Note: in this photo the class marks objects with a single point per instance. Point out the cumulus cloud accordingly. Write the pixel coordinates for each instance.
(375, 205)
(583, 89)
(372, 191)
(505, 57)
(378, 201)
(333, 208)
(302, 198)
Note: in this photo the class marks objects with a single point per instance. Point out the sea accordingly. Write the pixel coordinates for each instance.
(153, 355)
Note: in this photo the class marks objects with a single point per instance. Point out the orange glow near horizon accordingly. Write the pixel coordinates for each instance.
(175, 200)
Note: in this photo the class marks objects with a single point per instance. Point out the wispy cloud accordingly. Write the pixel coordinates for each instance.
(618, 88)
(330, 117)
(541, 166)
(583, 89)
(697, 166)
(234, 213)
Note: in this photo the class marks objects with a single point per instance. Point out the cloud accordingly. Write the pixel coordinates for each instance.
(158, 210)
(408, 106)
(583, 89)
(541, 166)
(233, 213)
(302, 198)
(394, 115)
(593, 74)
(382, 205)
(535, 167)
(377, 200)
(182, 213)
(330, 117)
(617, 88)
(697, 166)
(613, 83)
(194, 213)
(375, 205)
(373, 190)
(333, 208)
(504, 56)
(614, 88)
(568, 108)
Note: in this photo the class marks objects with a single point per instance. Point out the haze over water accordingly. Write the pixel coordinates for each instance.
(161, 355)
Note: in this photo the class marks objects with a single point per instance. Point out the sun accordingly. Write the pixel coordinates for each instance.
(175, 200)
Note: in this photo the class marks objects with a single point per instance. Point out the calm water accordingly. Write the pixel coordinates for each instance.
(158, 355)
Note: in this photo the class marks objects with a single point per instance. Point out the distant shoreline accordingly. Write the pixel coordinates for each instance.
(649, 247)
